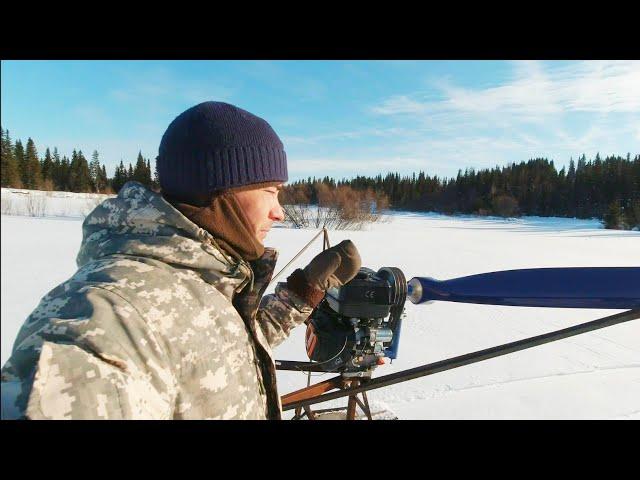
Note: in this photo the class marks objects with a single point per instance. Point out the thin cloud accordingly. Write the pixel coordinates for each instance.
(550, 110)
(300, 87)
(140, 91)
(310, 89)
(591, 86)
(348, 135)
(402, 104)
(91, 114)
(445, 156)
(600, 87)
(428, 155)
(159, 84)
(200, 94)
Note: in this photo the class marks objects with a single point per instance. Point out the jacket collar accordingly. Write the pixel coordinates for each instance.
(139, 222)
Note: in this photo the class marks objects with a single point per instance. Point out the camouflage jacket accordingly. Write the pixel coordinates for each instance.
(157, 323)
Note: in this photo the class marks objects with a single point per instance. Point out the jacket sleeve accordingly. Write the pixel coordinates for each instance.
(281, 312)
(92, 357)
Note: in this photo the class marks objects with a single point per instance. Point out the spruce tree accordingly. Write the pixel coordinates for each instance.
(614, 218)
(47, 170)
(9, 174)
(84, 177)
(73, 171)
(102, 179)
(148, 179)
(56, 169)
(632, 214)
(119, 177)
(33, 176)
(140, 171)
(156, 178)
(79, 178)
(95, 172)
(18, 153)
(65, 174)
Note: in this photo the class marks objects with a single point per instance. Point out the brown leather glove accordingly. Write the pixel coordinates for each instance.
(332, 268)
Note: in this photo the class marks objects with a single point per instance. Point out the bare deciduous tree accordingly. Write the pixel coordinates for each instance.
(340, 208)
(7, 206)
(36, 205)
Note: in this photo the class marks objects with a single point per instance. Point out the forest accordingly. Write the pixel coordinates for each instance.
(605, 188)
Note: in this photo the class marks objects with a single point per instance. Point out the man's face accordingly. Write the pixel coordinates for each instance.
(262, 208)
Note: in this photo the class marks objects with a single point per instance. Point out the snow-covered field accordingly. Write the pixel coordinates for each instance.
(595, 375)
(39, 203)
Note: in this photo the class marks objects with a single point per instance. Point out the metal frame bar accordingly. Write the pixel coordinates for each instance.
(316, 393)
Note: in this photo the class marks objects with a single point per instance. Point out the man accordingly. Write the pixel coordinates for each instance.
(165, 316)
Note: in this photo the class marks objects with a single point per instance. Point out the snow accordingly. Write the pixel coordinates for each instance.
(594, 375)
(38, 203)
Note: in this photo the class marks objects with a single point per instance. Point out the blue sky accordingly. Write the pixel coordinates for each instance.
(338, 118)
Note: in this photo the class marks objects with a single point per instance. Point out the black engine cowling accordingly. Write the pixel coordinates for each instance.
(357, 325)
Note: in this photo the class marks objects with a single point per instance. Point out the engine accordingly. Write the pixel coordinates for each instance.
(358, 324)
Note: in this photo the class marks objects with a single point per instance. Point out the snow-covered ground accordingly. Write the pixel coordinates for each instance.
(594, 375)
(39, 203)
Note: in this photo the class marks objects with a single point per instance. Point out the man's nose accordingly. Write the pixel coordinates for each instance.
(277, 213)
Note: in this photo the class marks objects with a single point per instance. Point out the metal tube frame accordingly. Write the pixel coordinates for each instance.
(313, 394)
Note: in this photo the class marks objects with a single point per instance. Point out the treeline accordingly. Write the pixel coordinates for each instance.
(608, 189)
(22, 168)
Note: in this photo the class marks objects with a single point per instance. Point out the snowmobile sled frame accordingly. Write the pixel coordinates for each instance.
(352, 386)
(358, 324)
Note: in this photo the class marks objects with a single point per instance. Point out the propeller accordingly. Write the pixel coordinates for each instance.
(575, 287)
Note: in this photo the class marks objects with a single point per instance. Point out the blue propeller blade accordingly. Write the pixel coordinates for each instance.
(577, 287)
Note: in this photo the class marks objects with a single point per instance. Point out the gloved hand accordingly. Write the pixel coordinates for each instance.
(332, 268)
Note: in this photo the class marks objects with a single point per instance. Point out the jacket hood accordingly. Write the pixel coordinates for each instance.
(139, 222)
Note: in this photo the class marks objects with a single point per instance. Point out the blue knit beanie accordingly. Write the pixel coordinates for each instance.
(215, 146)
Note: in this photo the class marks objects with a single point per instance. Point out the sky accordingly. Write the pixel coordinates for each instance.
(338, 118)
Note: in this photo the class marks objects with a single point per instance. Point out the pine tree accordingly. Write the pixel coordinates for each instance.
(9, 174)
(632, 214)
(614, 218)
(116, 181)
(47, 171)
(18, 153)
(156, 178)
(84, 177)
(148, 178)
(95, 172)
(56, 170)
(73, 171)
(103, 180)
(65, 174)
(33, 176)
(79, 177)
(140, 173)
(582, 188)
